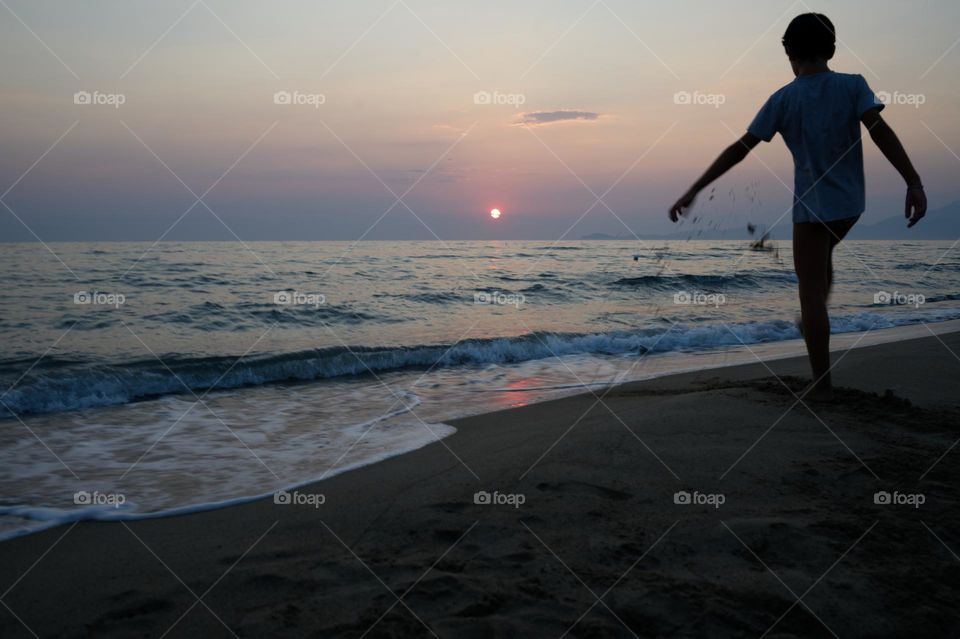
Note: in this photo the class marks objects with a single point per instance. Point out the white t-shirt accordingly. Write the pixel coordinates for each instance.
(818, 116)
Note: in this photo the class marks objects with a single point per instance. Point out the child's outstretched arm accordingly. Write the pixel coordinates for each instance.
(887, 141)
(730, 157)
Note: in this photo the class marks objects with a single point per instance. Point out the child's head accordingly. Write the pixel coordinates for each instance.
(810, 37)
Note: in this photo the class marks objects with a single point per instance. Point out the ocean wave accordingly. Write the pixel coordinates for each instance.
(716, 282)
(924, 267)
(533, 288)
(210, 316)
(67, 385)
(431, 297)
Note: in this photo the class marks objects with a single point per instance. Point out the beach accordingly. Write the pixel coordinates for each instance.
(711, 503)
(185, 398)
(422, 319)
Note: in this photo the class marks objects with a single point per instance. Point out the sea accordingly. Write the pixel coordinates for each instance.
(143, 380)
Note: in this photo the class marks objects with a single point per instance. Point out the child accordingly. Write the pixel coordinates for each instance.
(819, 115)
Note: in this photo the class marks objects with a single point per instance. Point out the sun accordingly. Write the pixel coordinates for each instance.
(495, 214)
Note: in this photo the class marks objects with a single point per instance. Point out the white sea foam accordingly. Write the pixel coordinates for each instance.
(74, 387)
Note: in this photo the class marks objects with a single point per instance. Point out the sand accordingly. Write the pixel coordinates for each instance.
(784, 537)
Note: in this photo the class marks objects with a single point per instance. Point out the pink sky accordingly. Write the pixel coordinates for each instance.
(582, 99)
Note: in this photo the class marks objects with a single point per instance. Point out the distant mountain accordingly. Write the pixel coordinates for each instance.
(689, 233)
(605, 236)
(939, 224)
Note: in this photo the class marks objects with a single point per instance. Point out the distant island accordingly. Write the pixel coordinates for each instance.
(939, 224)
(605, 236)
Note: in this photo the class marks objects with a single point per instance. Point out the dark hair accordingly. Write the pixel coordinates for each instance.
(810, 36)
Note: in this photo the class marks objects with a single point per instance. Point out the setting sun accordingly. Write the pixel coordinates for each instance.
(495, 213)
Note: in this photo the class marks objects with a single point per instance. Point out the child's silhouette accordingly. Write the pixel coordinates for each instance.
(819, 116)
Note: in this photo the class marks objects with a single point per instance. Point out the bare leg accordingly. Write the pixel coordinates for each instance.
(811, 260)
(837, 230)
(813, 246)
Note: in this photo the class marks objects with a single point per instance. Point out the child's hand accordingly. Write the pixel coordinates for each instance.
(685, 202)
(916, 205)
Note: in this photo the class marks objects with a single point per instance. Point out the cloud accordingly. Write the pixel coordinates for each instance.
(535, 118)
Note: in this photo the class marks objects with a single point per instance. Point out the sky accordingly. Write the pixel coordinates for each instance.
(411, 119)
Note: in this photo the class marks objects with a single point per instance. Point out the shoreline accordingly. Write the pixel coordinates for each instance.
(598, 480)
(742, 355)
